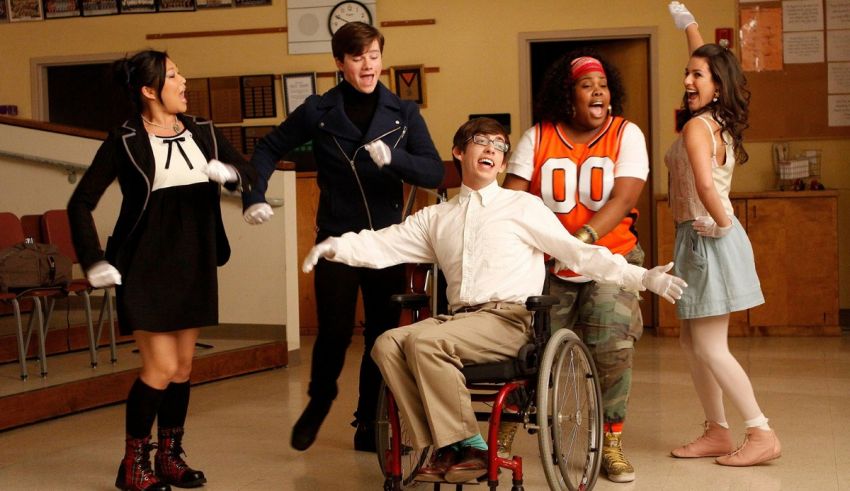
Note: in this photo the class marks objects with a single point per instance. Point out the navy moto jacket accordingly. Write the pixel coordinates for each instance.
(355, 193)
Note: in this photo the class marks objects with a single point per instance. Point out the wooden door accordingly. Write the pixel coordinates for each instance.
(630, 55)
(794, 241)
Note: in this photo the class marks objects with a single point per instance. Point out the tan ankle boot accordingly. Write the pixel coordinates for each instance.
(714, 442)
(759, 446)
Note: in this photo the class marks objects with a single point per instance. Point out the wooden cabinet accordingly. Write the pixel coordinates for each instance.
(307, 199)
(795, 242)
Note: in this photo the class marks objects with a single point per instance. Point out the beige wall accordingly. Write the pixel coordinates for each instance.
(474, 43)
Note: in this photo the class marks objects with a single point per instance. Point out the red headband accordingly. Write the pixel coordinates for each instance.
(584, 65)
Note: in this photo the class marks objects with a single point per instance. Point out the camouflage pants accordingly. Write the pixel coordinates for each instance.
(608, 320)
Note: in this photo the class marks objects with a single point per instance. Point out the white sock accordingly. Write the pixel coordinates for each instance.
(723, 424)
(759, 422)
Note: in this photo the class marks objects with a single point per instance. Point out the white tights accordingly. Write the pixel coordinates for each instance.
(716, 372)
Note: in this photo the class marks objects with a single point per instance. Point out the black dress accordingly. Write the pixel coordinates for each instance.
(171, 282)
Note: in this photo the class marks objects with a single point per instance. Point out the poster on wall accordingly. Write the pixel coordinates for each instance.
(92, 8)
(297, 87)
(24, 10)
(138, 6)
(4, 17)
(408, 83)
(57, 9)
(252, 3)
(213, 4)
(176, 5)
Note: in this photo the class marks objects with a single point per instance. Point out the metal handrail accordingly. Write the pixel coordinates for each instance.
(70, 167)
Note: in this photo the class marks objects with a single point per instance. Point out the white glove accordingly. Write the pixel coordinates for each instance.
(707, 227)
(220, 172)
(681, 16)
(326, 248)
(258, 213)
(665, 285)
(380, 152)
(103, 275)
(559, 266)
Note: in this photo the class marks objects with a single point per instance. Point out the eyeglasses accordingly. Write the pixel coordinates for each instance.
(482, 140)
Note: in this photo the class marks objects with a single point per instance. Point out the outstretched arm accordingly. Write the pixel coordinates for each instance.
(685, 20)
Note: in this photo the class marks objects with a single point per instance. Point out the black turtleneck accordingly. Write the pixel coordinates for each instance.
(359, 107)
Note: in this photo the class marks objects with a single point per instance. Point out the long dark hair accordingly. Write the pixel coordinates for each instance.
(731, 110)
(143, 69)
(554, 101)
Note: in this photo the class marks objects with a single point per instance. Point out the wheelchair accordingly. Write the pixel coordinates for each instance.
(553, 383)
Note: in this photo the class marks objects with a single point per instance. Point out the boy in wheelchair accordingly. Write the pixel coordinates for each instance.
(490, 244)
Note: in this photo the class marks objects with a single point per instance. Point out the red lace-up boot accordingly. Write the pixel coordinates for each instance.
(134, 473)
(170, 466)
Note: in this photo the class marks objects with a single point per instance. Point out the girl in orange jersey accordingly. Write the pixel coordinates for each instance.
(588, 164)
(712, 252)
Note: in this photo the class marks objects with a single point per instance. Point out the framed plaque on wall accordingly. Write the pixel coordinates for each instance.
(258, 100)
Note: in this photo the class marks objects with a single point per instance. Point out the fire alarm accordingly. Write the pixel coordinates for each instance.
(723, 36)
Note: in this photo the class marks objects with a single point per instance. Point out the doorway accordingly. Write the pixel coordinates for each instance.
(631, 51)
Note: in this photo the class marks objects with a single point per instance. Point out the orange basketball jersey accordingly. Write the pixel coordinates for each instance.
(575, 180)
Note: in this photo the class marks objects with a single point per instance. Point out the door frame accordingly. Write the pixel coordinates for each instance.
(526, 101)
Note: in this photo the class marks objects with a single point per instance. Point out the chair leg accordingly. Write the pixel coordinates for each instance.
(42, 333)
(106, 307)
(22, 350)
(113, 352)
(90, 326)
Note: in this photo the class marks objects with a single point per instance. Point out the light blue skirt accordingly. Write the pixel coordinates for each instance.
(721, 273)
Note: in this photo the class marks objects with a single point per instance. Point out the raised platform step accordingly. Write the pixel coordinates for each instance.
(72, 386)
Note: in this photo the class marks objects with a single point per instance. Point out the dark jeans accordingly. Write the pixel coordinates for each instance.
(336, 299)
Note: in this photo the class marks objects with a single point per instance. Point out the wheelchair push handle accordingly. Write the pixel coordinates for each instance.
(536, 303)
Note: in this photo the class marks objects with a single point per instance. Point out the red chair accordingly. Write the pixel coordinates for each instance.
(11, 233)
(32, 227)
(56, 230)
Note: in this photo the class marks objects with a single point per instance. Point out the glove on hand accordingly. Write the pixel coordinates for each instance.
(665, 285)
(326, 248)
(220, 172)
(380, 152)
(707, 227)
(681, 16)
(258, 213)
(103, 275)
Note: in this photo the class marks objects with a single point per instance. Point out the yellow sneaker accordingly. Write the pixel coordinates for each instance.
(614, 463)
(507, 431)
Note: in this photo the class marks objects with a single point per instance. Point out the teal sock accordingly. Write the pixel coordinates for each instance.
(473, 441)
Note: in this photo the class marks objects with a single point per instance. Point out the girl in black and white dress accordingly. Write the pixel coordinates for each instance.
(162, 255)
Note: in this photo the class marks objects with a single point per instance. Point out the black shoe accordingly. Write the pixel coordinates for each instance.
(364, 437)
(305, 429)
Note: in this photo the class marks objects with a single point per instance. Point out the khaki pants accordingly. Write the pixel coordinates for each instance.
(421, 365)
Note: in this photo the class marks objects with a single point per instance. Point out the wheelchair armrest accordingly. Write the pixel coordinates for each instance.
(411, 300)
(535, 303)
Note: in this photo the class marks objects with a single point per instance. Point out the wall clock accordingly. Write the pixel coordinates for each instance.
(348, 11)
(311, 23)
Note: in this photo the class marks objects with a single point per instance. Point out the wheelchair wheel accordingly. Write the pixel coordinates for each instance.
(569, 414)
(410, 458)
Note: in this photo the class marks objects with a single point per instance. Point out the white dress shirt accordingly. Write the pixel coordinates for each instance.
(489, 244)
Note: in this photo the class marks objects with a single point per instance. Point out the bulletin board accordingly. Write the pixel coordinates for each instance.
(791, 102)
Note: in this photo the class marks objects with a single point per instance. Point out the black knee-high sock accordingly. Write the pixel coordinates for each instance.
(175, 404)
(142, 405)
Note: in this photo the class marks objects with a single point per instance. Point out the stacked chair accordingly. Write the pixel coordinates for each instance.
(11, 233)
(56, 230)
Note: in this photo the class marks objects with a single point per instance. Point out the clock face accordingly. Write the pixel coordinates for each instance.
(348, 11)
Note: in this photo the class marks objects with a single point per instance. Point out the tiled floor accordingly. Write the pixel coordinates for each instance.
(238, 430)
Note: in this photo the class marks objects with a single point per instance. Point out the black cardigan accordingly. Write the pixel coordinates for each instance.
(126, 155)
